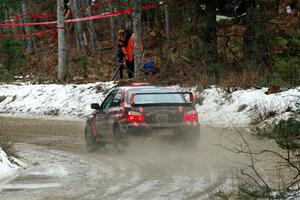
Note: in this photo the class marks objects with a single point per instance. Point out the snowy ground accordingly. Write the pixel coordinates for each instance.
(245, 107)
(240, 108)
(64, 101)
(8, 168)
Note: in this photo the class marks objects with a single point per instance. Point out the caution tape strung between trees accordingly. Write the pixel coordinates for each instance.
(93, 6)
(100, 16)
(100, 3)
(94, 17)
(39, 16)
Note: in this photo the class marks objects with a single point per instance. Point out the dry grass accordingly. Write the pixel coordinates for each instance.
(245, 79)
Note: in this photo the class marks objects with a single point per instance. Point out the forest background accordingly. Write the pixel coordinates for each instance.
(232, 43)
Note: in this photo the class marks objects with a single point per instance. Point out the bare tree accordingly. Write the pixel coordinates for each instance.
(137, 33)
(208, 35)
(78, 25)
(250, 33)
(28, 41)
(276, 7)
(286, 135)
(62, 53)
(93, 44)
(112, 25)
(167, 19)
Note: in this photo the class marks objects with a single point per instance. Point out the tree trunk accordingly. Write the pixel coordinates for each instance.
(28, 41)
(62, 54)
(93, 44)
(250, 32)
(208, 35)
(78, 25)
(276, 7)
(167, 21)
(112, 25)
(137, 32)
(2, 12)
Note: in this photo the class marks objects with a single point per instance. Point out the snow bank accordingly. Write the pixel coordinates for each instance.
(55, 100)
(244, 107)
(240, 108)
(7, 168)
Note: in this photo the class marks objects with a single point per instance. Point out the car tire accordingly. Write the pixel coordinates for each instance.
(120, 140)
(91, 144)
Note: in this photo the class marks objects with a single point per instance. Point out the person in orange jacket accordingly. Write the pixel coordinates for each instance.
(126, 46)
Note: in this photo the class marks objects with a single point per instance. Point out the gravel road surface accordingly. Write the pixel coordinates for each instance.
(150, 168)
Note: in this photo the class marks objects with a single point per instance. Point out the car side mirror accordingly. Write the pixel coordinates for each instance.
(96, 106)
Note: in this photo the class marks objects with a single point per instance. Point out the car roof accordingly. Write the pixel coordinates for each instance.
(135, 88)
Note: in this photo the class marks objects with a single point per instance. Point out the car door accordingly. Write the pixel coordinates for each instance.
(112, 112)
(102, 115)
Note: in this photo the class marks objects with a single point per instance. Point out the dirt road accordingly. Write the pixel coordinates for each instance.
(150, 168)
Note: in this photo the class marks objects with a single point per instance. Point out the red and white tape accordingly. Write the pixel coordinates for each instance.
(100, 16)
(39, 16)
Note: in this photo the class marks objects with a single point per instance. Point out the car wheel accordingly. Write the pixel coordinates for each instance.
(89, 138)
(120, 141)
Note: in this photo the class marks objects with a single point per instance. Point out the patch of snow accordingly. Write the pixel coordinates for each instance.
(218, 108)
(30, 186)
(8, 169)
(51, 170)
(288, 9)
(52, 99)
(181, 187)
(244, 107)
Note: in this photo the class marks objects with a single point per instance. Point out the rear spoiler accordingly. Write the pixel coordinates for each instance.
(192, 99)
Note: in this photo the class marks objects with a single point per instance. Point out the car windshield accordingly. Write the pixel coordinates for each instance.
(159, 96)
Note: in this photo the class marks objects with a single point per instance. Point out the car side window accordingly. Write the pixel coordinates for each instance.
(108, 100)
(117, 99)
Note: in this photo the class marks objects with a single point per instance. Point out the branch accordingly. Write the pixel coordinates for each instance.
(251, 156)
(252, 178)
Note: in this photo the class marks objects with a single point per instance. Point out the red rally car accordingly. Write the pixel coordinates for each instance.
(141, 109)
